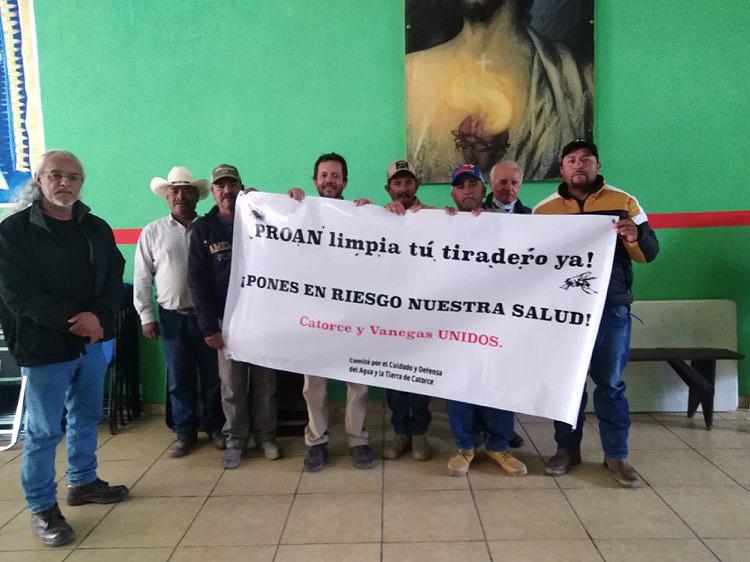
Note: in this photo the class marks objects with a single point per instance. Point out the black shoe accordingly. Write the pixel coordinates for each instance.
(232, 458)
(97, 491)
(516, 442)
(315, 459)
(562, 461)
(363, 457)
(51, 528)
(180, 447)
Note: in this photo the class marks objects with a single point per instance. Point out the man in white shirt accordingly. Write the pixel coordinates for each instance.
(161, 259)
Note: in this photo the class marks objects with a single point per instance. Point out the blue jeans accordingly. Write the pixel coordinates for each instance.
(188, 356)
(473, 425)
(410, 413)
(108, 346)
(77, 386)
(607, 362)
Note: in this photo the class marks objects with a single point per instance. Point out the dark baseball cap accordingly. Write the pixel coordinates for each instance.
(579, 143)
(225, 171)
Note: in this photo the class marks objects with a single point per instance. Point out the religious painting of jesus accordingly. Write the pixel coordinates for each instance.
(491, 80)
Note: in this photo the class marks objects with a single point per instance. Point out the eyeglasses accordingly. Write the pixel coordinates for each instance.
(58, 176)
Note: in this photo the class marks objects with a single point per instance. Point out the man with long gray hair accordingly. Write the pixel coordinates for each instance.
(60, 291)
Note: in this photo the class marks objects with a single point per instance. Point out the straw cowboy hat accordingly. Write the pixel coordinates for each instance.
(179, 175)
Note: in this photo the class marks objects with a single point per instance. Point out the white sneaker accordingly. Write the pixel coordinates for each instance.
(271, 450)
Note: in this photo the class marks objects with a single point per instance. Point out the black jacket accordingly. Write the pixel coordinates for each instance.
(34, 312)
(209, 264)
(519, 209)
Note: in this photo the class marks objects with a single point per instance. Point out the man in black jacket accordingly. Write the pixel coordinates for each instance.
(209, 265)
(60, 292)
(506, 178)
(505, 182)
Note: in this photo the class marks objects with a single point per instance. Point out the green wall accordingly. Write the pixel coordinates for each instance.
(135, 87)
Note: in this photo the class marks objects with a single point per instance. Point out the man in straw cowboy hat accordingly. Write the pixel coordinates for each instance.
(209, 265)
(161, 259)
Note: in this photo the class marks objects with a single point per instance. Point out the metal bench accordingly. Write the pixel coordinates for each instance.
(699, 375)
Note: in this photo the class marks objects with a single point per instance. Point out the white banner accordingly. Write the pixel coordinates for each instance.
(496, 310)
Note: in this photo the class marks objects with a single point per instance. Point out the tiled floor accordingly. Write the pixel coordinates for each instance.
(695, 504)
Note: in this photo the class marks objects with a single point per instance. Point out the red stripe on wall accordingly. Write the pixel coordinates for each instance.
(127, 235)
(700, 220)
(658, 220)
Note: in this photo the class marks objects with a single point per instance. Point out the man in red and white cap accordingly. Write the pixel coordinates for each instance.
(473, 425)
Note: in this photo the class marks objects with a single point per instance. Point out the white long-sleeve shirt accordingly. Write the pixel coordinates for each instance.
(161, 258)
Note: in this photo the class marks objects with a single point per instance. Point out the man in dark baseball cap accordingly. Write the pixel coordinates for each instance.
(578, 144)
(584, 191)
(225, 171)
(209, 266)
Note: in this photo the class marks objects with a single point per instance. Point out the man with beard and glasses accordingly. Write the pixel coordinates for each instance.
(484, 86)
(583, 191)
(330, 177)
(473, 425)
(60, 293)
(209, 264)
(161, 259)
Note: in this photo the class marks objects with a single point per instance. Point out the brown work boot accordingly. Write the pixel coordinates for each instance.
(397, 446)
(508, 463)
(562, 461)
(420, 448)
(459, 463)
(625, 474)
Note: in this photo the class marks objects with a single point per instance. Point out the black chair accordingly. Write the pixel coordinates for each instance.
(12, 393)
(123, 399)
